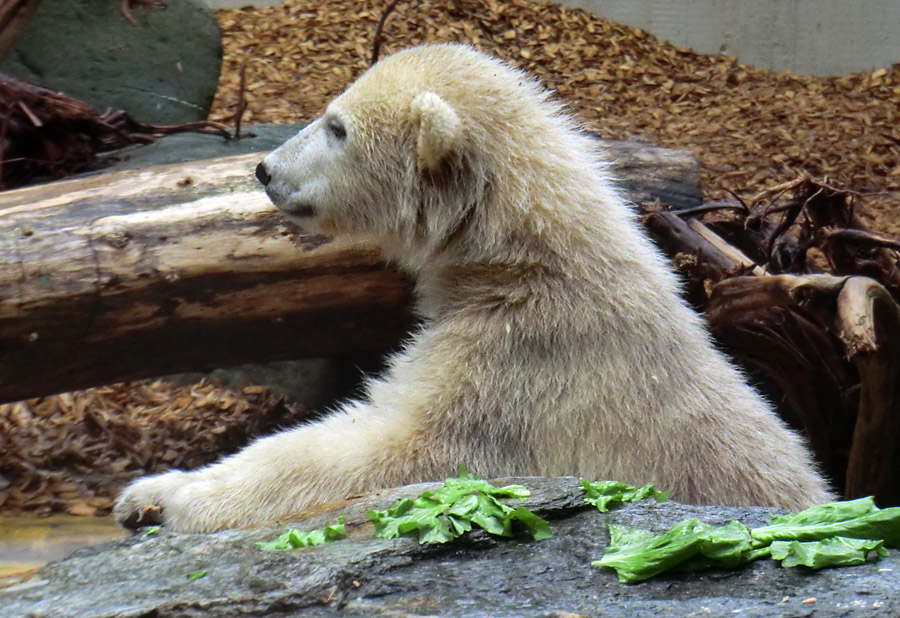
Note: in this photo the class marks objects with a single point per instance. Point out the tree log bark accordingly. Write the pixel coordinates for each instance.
(850, 418)
(189, 267)
(869, 326)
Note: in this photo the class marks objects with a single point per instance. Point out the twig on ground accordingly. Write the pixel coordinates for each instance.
(242, 100)
(376, 42)
(126, 6)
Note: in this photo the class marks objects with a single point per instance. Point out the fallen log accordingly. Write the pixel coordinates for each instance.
(189, 267)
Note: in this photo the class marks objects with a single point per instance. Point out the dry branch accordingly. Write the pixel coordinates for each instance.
(14, 14)
(45, 133)
(869, 326)
(843, 388)
(379, 30)
(126, 6)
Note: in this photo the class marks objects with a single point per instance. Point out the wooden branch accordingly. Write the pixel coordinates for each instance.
(698, 251)
(827, 342)
(869, 325)
(771, 322)
(848, 246)
(48, 133)
(784, 323)
(379, 30)
(186, 267)
(126, 6)
(14, 14)
(740, 295)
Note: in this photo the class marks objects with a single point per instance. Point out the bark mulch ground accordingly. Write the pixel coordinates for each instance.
(71, 452)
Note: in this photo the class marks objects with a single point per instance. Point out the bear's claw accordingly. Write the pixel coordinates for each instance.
(148, 516)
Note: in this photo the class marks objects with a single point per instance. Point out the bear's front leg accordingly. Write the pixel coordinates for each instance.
(353, 451)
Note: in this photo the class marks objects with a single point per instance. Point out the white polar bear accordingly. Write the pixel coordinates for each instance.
(554, 339)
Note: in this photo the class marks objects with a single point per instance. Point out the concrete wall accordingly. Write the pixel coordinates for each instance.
(824, 37)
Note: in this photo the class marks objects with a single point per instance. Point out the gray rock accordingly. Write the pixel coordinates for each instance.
(183, 147)
(316, 383)
(165, 70)
(475, 576)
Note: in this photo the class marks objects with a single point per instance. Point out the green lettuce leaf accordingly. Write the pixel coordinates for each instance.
(637, 555)
(608, 494)
(690, 545)
(446, 513)
(293, 538)
(538, 528)
(857, 519)
(829, 535)
(834, 552)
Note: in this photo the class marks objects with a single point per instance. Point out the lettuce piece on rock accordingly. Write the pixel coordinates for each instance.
(608, 494)
(828, 535)
(446, 513)
(293, 538)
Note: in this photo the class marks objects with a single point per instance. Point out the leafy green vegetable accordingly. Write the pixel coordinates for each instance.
(857, 519)
(637, 555)
(690, 545)
(151, 531)
(726, 547)
(608, 494)
(444, 514)
(837, 551)
(538, 527)
(294, 538)
(834, 534)
(197, 575)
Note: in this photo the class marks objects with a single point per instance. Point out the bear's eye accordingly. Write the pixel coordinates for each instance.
(336, 128)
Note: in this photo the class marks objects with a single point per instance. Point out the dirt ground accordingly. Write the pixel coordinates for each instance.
(750, 128)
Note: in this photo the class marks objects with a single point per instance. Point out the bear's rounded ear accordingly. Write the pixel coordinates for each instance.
(439, 127)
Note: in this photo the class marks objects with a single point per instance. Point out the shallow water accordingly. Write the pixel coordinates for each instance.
(27, 543)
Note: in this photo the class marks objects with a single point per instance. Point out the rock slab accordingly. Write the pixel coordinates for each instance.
(164, 70)
(476, 576)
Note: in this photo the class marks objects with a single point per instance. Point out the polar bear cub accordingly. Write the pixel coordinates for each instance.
(554, 341)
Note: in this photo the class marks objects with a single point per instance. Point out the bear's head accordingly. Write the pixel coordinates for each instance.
(416, 152)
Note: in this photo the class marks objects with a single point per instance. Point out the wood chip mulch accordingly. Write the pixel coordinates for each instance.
(71, 453)
(751, 128)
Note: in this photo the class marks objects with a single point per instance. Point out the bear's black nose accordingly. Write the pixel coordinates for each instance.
(262, 174)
